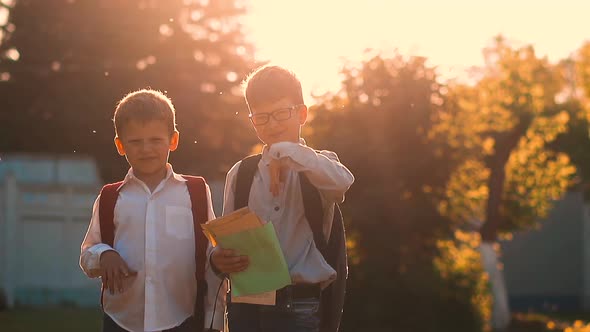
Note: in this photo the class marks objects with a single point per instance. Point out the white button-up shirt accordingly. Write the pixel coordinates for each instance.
(286, 212)
(155, 236)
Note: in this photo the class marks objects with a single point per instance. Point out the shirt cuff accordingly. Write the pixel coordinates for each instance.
(96, 251)
(283, 149)
(90, 259)
(301, 157)
(218, 273)
(100, 248)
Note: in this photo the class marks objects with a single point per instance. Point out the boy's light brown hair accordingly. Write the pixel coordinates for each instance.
(144, 105)
(270, 83)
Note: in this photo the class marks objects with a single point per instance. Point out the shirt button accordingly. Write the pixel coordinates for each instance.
(276, 208)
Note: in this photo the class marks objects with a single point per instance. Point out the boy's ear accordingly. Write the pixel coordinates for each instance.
(174, 140)
(302, 114)
(119, 145)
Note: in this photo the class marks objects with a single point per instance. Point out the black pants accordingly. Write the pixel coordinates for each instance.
(108, 325)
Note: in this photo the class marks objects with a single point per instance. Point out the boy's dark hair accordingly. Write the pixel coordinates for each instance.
(144, 105)
(269, 83)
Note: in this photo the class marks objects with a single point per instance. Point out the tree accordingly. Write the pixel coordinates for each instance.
(379, 125)
(502, 126)
(68, 62)
(582, 75)
(576, 101)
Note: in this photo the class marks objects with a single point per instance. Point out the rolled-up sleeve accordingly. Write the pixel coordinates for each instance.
(92, 247)
(322, 168)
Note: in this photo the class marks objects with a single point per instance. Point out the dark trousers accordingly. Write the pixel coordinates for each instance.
(296, 310)
(108, 325)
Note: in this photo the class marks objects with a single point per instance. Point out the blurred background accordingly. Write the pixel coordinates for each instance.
(465, 124)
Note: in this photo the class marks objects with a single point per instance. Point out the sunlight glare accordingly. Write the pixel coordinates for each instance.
(313, 37)
(4, 16)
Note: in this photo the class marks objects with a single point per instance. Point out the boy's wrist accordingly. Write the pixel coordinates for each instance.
(212, 264)
(100, 249)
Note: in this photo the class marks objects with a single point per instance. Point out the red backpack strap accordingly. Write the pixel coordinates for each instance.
(106, 215)
(197, 191)
(198, 195)
(106, 212)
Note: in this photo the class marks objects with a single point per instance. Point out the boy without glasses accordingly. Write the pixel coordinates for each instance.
(144, 240)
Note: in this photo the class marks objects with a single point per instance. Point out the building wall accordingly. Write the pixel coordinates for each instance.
(45, 206)
(544, 268)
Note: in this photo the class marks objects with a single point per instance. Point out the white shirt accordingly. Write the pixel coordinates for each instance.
(286, 212)
(155, 236)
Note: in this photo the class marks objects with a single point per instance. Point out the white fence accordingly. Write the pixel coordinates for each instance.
(45, 207)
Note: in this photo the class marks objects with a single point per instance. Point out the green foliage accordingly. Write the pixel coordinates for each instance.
(505, 123)
(78, 58)
(575, 143)
(464, 281)
(582, 76)
(379, 125)
(422, 154)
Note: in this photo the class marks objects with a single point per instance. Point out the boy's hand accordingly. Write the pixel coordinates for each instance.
(227, 261)
(113, 271)
(277, 175)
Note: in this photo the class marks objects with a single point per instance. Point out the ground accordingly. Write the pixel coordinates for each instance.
(89, 320)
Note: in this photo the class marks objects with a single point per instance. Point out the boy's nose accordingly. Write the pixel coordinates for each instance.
(272, 122)
(145, 146)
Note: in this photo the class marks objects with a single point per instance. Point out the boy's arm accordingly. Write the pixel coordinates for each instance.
(323, 169)
(92, 247)
(217, 287)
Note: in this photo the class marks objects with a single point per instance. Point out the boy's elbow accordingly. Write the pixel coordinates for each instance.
(345, 183)
(335, 196)
(90, 273)
(339, 195)
(349, 180)
(87, 266)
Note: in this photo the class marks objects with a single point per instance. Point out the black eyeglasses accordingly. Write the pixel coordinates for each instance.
(280, 114)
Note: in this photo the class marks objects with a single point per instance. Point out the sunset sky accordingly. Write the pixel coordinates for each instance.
(312, 36)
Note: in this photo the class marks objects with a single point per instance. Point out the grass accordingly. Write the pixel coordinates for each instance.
(555, 321)
(49, 320)
(90, 320)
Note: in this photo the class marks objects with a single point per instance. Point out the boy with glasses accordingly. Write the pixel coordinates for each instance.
(277, 112)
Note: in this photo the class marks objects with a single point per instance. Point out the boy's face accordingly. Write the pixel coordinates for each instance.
(278, 121)
(146, 145)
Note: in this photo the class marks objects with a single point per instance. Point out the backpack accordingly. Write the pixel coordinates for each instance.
(198, 196)
(333, 249)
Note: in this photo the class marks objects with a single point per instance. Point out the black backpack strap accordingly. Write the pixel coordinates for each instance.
(333, 295)
(314, 212)
(244, 179)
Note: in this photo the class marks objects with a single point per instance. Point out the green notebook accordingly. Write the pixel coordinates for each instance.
(268, 269)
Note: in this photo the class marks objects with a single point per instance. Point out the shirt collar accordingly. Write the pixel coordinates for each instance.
(169, 174)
